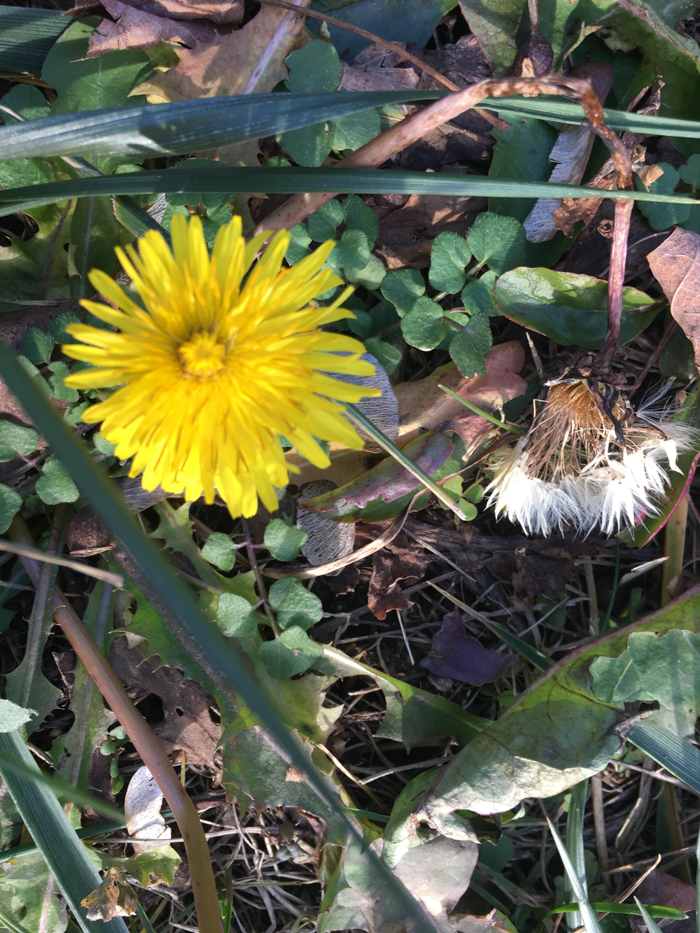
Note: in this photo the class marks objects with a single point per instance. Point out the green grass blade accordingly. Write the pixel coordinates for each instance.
(676, 755)
(143, 132)
(26, 35)
(574, 846)
(63, 852)
(590, 921)
(561, 111)
(102, 494)
(88, 832)
(293, 179)
(628, 910)
(651, 925)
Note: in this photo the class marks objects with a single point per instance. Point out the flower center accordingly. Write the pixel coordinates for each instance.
(202, 355)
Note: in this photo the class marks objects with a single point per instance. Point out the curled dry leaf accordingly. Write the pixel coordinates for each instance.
(391, 565)
(132, 28)
(676, 267)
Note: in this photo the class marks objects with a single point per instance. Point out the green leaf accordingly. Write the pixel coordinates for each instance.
(309, 146)
(294, 605)
(360, 216)
(16, 439)
(521, 151)
(449, 255)
(422, 327)
(10, 504)
(665, 669)
(314, 67)
(57, 327)
(469, 347)
(322, 223)
(355, 129)
(498, 242)
(12, 716)
(220, 551)
(352, 250)
(663, 216)
(94, 83)
(284, 541)
(55, 485)
(60, 391)
(371, 276)
(28, 896)
(298, 244)
(402, 287)
(386, 354)
(37, 345)
(480, 295)
(235, 616)
(569, 308)
(290, 654)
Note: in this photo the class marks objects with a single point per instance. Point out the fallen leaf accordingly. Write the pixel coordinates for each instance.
(454, 654)
(676, 267)
(186, 725)
(423, 405)
(249, 60)
(663, 889)
(392, 564)
(130, 27)
(327, 540)
(142, 805)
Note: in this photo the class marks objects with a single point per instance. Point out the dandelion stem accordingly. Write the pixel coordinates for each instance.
(478, 411)
(262, 590)
(363, 422)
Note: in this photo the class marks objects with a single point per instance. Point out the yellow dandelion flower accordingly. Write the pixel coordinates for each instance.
(216, 361)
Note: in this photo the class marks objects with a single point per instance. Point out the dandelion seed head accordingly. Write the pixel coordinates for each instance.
(220, 357)
(590, 462)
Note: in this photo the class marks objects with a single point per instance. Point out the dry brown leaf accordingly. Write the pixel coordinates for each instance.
(676, 267)
(390, 565)
(249, 60)
(423, 405)
(132, 28)
(186, 725)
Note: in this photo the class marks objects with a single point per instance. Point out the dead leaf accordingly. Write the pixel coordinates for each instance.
(218, 11)
(390, 565)
(424, 406)
(249, 60)
(455, 654)
(130, 27)
(186, 725)
(666, 891)
(676, 267)
(142, 811)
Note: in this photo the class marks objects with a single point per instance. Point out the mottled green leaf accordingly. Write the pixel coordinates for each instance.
(294, 604)
(16, 439)
(422, 327)
(220, 551)
(449, 254)
(469, 347)
(290, 654)
(55, 485)
(402, 287)
(498, 242)
(284, 541)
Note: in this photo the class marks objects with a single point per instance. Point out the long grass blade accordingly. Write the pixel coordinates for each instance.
(63, 852)
(293, 179)
(651, 924)
(26, 35)
(186, 126)
(574, 845)
(676, 755)
(590, 921)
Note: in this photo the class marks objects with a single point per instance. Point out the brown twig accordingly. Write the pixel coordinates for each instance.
(262, 589)
(377, 151)
(144, 741)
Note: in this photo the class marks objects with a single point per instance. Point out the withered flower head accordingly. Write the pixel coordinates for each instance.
(589, 460)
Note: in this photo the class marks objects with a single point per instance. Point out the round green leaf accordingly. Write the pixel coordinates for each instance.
(422, 327)
(498, 242)
(569, 308)
(55, 485)
(284, 541)
(16, 439)
(385, 353)
(294, 605)
(236, 616)
(10, 504)
(469, 347)
(323, 222)
(292, 653)
(402, 287)
(220, 551)
(662, 216)
(352, 250)
(313, 68)
(448, 257)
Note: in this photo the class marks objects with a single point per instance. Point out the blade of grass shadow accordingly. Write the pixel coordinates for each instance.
(42, 814)
(108, 504)
(676, 755)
